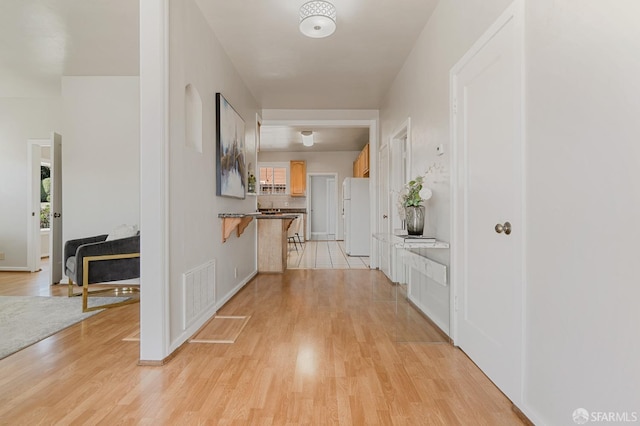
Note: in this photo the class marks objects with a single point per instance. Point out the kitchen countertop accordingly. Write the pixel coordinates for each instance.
(275, 215)
(286, 210)
(259, 215)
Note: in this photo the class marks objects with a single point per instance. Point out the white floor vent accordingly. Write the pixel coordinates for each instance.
(199, 291)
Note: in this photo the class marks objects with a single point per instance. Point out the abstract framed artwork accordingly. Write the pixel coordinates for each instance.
(230, 151)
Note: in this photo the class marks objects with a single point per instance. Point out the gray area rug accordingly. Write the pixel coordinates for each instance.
(25, 320)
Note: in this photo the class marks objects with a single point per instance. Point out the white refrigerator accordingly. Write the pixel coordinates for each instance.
(355, 212)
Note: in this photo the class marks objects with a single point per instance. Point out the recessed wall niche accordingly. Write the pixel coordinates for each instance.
(193, 118)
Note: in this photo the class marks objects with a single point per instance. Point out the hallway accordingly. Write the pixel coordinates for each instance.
(321, 347)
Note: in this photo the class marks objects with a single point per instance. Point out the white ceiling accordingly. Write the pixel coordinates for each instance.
(41, 40)
(288, 138)
(351, 69)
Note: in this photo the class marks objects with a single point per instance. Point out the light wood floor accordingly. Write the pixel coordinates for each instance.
(321, 347)
(323, 255)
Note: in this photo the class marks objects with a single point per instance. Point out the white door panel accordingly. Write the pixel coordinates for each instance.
(384, 253)
(55, 248)
(322, 194)
(331, 208)
(487, 88)
(34, 249)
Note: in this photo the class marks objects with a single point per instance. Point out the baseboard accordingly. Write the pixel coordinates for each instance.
(161, 362)
(521, 415)
(235, 290)
(14, 269)
(526, 414)
(443, 327)
(203, 318)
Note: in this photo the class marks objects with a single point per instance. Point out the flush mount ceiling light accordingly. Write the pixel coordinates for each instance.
(307, 137)
(317, 19)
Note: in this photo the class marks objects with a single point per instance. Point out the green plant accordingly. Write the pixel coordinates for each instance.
(45, 187)
(45, 172)
(45, 216)
(45, 190)
(251, 183)
(412, 195)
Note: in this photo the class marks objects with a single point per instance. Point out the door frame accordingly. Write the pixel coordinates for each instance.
(458, 162)
(33, 211)
(336, 199)
(33, 230)
(384, 225)
(398, 172)
(402, 133)
(366, 119)
(310, 196)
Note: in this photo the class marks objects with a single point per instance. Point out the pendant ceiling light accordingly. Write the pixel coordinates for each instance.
(307, 137)
(317, 19)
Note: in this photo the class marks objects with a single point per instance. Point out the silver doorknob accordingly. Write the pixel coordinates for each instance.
(506, 228)
(384, 216)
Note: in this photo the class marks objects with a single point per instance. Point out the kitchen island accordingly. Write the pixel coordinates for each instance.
(298, 226)
(272, 241)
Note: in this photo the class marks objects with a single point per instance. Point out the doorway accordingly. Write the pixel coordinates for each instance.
(487, 195)
(384, 208)
(396, 158)
(399, 167)
(45, 205)
(322, 202)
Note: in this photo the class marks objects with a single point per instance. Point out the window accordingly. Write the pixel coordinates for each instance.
(273, 178)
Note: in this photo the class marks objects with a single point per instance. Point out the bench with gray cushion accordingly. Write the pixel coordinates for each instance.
(105, 261)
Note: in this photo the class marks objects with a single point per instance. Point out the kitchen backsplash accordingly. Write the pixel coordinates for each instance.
(281, 202)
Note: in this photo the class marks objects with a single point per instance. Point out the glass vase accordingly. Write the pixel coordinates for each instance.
(415, 220)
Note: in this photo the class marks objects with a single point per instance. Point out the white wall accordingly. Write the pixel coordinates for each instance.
(195, 231)
(583, 188)
(583, 205)
(317, 162)
(20, 119)
(100, 154)
(421, 92)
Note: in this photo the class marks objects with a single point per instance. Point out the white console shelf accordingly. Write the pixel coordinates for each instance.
(399, 241)
(427, 280)
(398, 246)
(427, 267)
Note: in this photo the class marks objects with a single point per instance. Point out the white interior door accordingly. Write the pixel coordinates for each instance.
(55, 248)
(399, 173)
(385, 199)
(33, 212)
(488, 149)
(331, 208)
(318, 219)
(399, 170)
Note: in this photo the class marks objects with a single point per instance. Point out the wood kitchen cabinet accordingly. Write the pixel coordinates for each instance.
(298, 172)
(361, 165)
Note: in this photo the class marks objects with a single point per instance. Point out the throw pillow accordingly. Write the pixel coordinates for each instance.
(122, 231)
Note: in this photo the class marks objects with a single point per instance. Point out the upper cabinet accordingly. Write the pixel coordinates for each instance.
(298, 171)
(361, 165)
